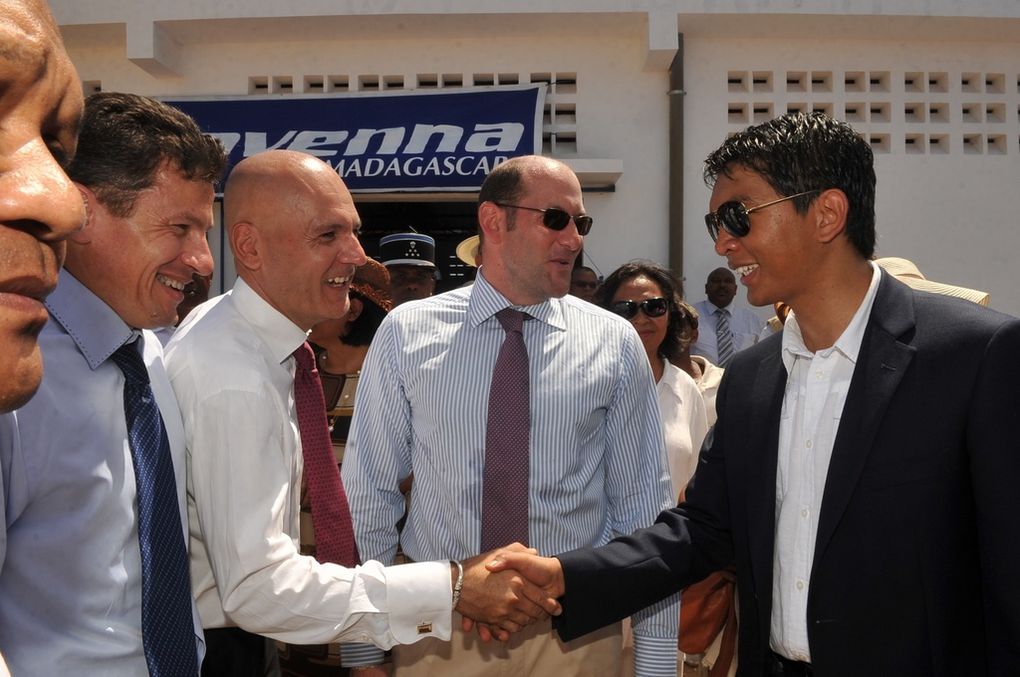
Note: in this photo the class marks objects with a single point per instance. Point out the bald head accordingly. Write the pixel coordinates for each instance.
(263, 187)
(294, 233)
(510, 180)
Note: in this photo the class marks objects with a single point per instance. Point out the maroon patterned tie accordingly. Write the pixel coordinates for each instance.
(505, 479)
(331, 515)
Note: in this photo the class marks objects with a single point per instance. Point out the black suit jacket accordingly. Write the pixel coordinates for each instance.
(917, 560)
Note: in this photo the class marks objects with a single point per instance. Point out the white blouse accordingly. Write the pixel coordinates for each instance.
(684, 423)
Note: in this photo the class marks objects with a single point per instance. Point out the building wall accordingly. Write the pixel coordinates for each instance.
(951, 207)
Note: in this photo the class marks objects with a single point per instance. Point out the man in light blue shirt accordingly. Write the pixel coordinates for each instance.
(71, 587)
(744, 325)
(596, 460)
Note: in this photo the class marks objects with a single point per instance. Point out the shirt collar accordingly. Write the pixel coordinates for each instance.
(280, 335)
(671, 378)
(848, 343)
(485, 302)
(95, 327)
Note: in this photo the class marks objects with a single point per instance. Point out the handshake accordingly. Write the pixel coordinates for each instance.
(507, 589)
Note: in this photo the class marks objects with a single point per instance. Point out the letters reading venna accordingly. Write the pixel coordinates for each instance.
(484, 138)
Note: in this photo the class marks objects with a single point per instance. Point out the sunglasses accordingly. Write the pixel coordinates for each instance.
(656, 307)
(557, 219)
(733, 216)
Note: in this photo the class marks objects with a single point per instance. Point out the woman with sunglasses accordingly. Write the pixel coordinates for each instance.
(649, 296)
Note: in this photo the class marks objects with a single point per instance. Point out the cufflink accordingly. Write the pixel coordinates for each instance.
(424, 628)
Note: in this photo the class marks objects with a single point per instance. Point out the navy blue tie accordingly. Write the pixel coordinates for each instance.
(168, 633)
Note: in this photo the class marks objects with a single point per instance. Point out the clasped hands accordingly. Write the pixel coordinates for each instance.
(507, 589)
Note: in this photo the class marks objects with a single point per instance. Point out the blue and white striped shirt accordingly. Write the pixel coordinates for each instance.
(597, 467)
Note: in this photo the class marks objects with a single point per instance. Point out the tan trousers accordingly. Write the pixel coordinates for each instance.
(535, 651)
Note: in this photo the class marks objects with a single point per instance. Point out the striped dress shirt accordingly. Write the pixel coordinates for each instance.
(597, 459)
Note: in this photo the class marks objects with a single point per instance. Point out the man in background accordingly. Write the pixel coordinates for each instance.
(411, 261)
(95, 580)
(723, 328)
(583, 282)
(907, 272)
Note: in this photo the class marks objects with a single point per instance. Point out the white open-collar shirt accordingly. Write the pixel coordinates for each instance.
(816, 391)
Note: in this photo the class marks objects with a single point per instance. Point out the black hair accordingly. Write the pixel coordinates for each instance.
(678, 335)
(126, 138)
(800, 152)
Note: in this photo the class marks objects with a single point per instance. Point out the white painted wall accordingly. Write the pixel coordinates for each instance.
(955, 214)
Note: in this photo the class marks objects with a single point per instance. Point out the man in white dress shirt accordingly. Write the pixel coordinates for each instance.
(73, 586)
(293, 230)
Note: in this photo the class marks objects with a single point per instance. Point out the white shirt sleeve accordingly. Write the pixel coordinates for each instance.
(240, 486)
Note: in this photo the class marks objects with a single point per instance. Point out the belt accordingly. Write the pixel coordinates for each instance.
(781, 666)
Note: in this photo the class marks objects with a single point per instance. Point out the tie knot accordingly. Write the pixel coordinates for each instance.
(130, 362)
(511, 319)
(724, 312)
(305, 357)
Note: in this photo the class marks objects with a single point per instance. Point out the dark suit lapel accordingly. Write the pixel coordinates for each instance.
(881, 365)
(763, 429)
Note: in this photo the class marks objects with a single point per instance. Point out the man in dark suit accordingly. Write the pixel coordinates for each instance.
(865, 466)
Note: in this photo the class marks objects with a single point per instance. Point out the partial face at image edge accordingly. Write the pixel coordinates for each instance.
(40, 110)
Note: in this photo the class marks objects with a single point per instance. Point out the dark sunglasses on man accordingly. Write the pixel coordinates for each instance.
(556, 219)
(733, 216)
(656, 307)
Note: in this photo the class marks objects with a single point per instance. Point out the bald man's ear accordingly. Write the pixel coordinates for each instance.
(831, 210)
(246, 243)
(491, 221)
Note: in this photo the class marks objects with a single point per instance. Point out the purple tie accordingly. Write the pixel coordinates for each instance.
(505, 480)
(331, 515)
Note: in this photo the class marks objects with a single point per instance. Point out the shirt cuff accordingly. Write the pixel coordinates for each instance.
(420, 601)
(654, 656)
(360, 655)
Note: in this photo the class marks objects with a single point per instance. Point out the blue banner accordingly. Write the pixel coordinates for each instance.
(445, 140)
